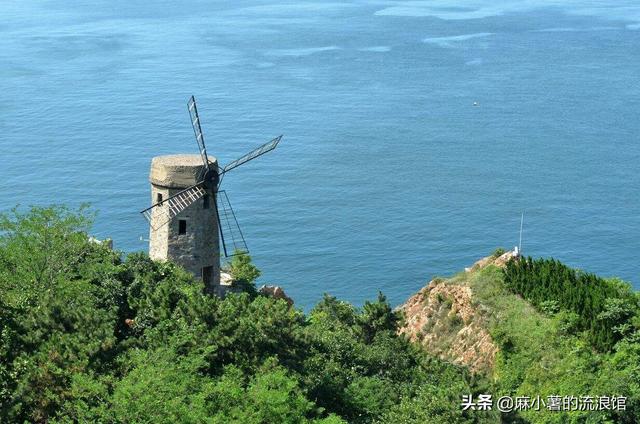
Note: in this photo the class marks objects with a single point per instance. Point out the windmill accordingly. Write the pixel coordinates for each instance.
(182, 189)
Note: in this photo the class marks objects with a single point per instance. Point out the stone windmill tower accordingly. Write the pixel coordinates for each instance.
(190, 217)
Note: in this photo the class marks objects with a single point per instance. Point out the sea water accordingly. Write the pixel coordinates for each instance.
(415, 132)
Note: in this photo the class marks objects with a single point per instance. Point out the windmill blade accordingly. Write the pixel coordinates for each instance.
(266, 147)
(233, 242)
(197, 130)
(222, 240)
(163, 212)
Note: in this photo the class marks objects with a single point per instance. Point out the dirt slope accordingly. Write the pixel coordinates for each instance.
(449, 322)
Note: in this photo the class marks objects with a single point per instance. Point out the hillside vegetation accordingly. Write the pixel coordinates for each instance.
(540, 348)
(604, 309)
(87, 335)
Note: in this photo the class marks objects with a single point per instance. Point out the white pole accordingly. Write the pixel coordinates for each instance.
(520, 243)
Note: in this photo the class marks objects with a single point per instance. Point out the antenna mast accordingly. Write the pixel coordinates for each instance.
(520, 242)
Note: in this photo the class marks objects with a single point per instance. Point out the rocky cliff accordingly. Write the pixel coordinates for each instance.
(449, 320)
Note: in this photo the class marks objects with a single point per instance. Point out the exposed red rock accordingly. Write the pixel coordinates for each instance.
(499, 261)
(443, 318)
(276, 292)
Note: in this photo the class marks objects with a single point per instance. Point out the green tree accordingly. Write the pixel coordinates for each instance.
(244, 272)
(87, 337)
(434, 404)
(376, 317)
(270, 396)
(40, 247)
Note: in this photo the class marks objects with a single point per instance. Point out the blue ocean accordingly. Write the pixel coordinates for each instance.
(416, 133)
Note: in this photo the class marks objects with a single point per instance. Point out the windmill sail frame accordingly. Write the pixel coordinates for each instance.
(164, 211)
(230, 231)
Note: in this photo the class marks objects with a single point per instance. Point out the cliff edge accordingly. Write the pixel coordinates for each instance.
(450, 320)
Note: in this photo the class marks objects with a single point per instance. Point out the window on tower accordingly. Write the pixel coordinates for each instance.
(205, 202)
(158, 197)
(182, 226)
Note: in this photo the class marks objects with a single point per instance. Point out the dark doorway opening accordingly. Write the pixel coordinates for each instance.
(207, 276)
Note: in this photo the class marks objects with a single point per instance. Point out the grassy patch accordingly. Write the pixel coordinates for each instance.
(520, 331)
(543, 353)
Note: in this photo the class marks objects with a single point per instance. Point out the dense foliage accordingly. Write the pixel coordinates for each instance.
(546, 350)
(604, 308)
(86, 336)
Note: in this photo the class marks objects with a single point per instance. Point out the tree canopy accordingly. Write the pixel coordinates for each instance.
(89, 336)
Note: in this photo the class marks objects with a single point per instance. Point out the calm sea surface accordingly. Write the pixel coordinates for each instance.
(388, 174)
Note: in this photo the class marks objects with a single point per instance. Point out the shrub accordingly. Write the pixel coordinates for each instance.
(498, 252)
(602, 305)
